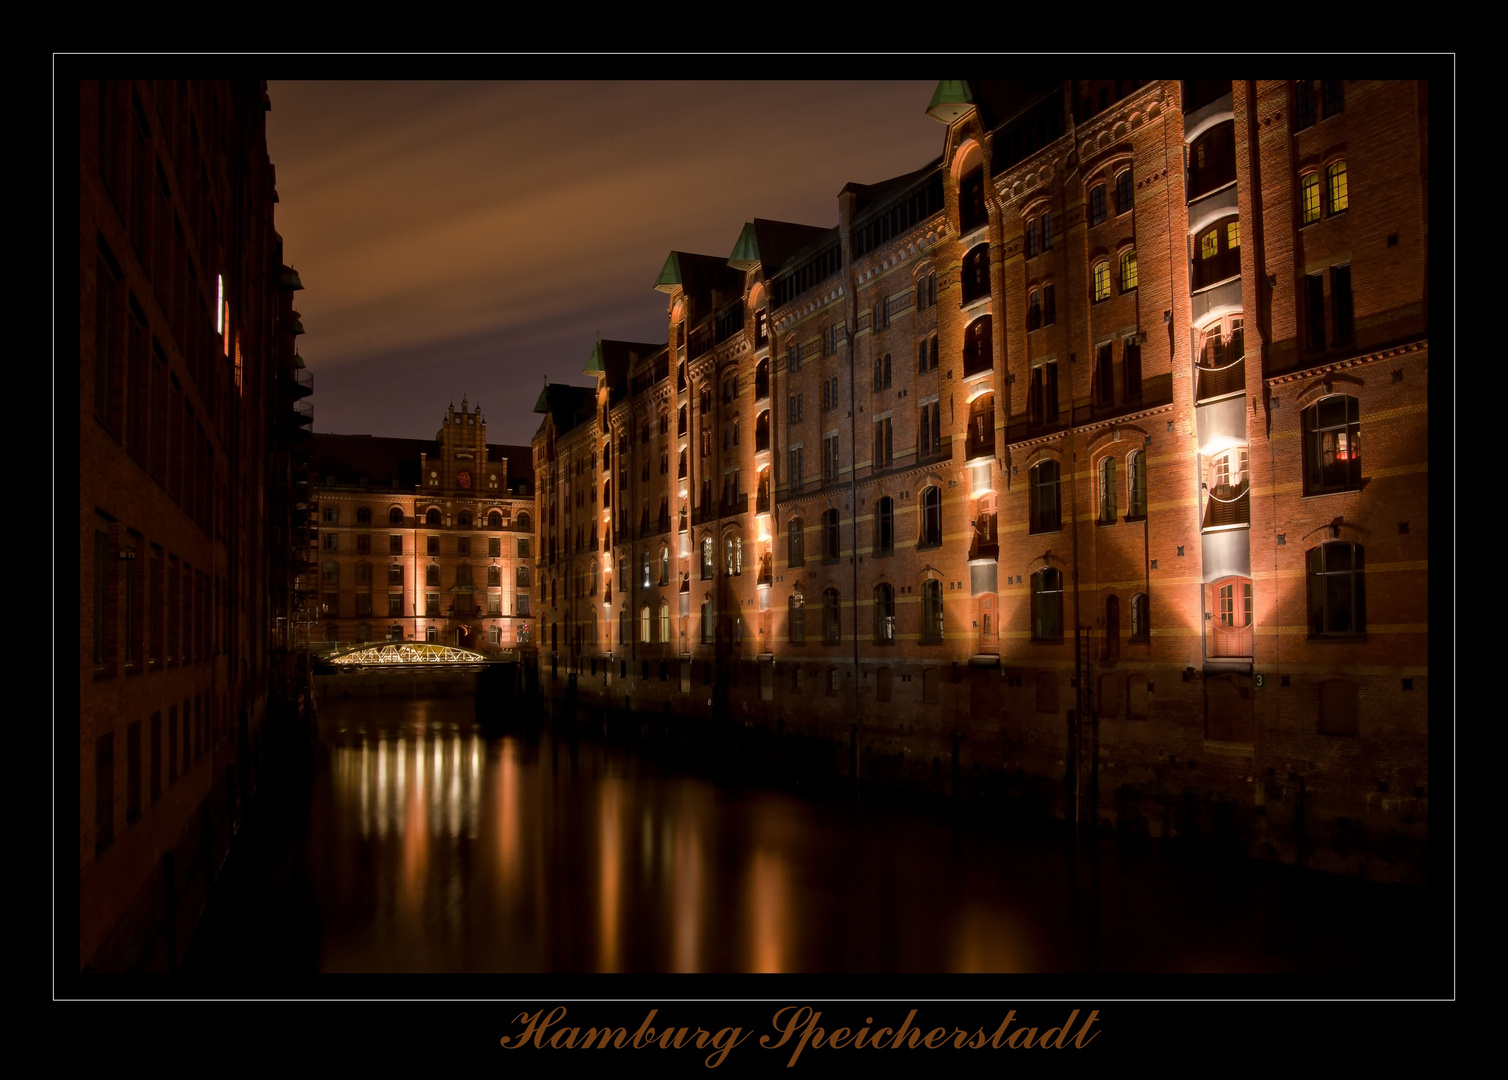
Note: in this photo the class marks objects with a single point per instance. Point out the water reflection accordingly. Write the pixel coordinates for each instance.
(434, 848)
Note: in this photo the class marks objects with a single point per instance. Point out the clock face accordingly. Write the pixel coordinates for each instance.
(463, 478)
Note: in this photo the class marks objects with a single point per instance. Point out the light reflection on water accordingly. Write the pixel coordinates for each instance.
(436, 849)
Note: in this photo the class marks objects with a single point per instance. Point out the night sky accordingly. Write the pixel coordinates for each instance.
(476, 236)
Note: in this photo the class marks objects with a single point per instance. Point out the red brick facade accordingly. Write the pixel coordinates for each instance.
(1135, 539)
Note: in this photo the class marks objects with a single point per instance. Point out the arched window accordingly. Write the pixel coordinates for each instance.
(733, 554)
(762, 431)
(395, 516)
(884, 614)
(432, 516)
(796, 620)
(932, 612)
(1337, 589)
(707, 621)
(1101, 281)
(1124, 197)
(665, 621)
(1141, 618)
(664, 564)
(978, 348)
(664, 422)
(762, 378)
(463, 519)
(1136, 485)
(931, 515)
(644, 624)
(363, 515)
(523, 520)
(1332, 445)
(832, 631)
(1336, 196)
(1047, 605)
(830, 542)
(1128, 270)
(981, 437)
(1107, 490)
(976, 274)
(881, 375)
(1097, 204)
(1112, 627)
(884, 526)
(709, 559)
(795, 544)
(495, 519)
(1045, 515)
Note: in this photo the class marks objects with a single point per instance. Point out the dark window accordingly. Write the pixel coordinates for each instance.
(795, 542)
(1047, 605)
(1131, 368)
(1124, 197)
(1340, 300)
(133, 771)
(832, 632)
(1112, 627)
(1141, 618)
(883, 444)
(884, 614)
(1315, 290)
(1049, 306)
(932, 612)
(1042, 405)
(1104, 374)
(796, 624)
(1332, 445)
(1212, 159)
(104, 791)
(884, 526)
(1136, 486)
(830, 543)
(1334, 97)
(1337, 589)
(1303, 104)
(1338, 700)
(1097, 204)
(1044, 497)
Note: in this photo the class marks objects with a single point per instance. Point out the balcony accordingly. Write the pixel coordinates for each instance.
(1215, 382)
(1227, 506)
(301, 382)
(303, 414)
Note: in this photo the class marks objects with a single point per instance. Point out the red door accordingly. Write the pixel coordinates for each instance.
(1228, 617)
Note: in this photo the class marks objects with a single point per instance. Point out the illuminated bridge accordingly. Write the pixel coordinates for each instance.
(389, 654)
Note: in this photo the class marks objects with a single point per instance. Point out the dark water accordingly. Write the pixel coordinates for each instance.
(416, 844)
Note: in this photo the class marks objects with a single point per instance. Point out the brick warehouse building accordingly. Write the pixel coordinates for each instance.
(190, 438)
(414, 540)
(1011, 534)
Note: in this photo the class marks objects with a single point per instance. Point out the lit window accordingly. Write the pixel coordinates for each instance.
(1128, 270)
(644, 624)
(1233, 235)
(1335, 184)
(1209, 244)
(1101, 281)
(1309, 197)
(1332, 445)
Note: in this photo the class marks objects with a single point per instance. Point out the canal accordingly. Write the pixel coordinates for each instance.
(410, 841)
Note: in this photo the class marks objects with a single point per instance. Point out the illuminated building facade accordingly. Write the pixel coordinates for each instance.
(186, 421)
(1041, 474)
(412, 540)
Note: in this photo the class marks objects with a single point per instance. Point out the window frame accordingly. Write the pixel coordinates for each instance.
(1314, 446)
(1047, 583)
(1324, 584)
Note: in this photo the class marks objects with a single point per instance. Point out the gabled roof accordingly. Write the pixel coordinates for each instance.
(774, 243)
(698, 275)
(393, 464)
